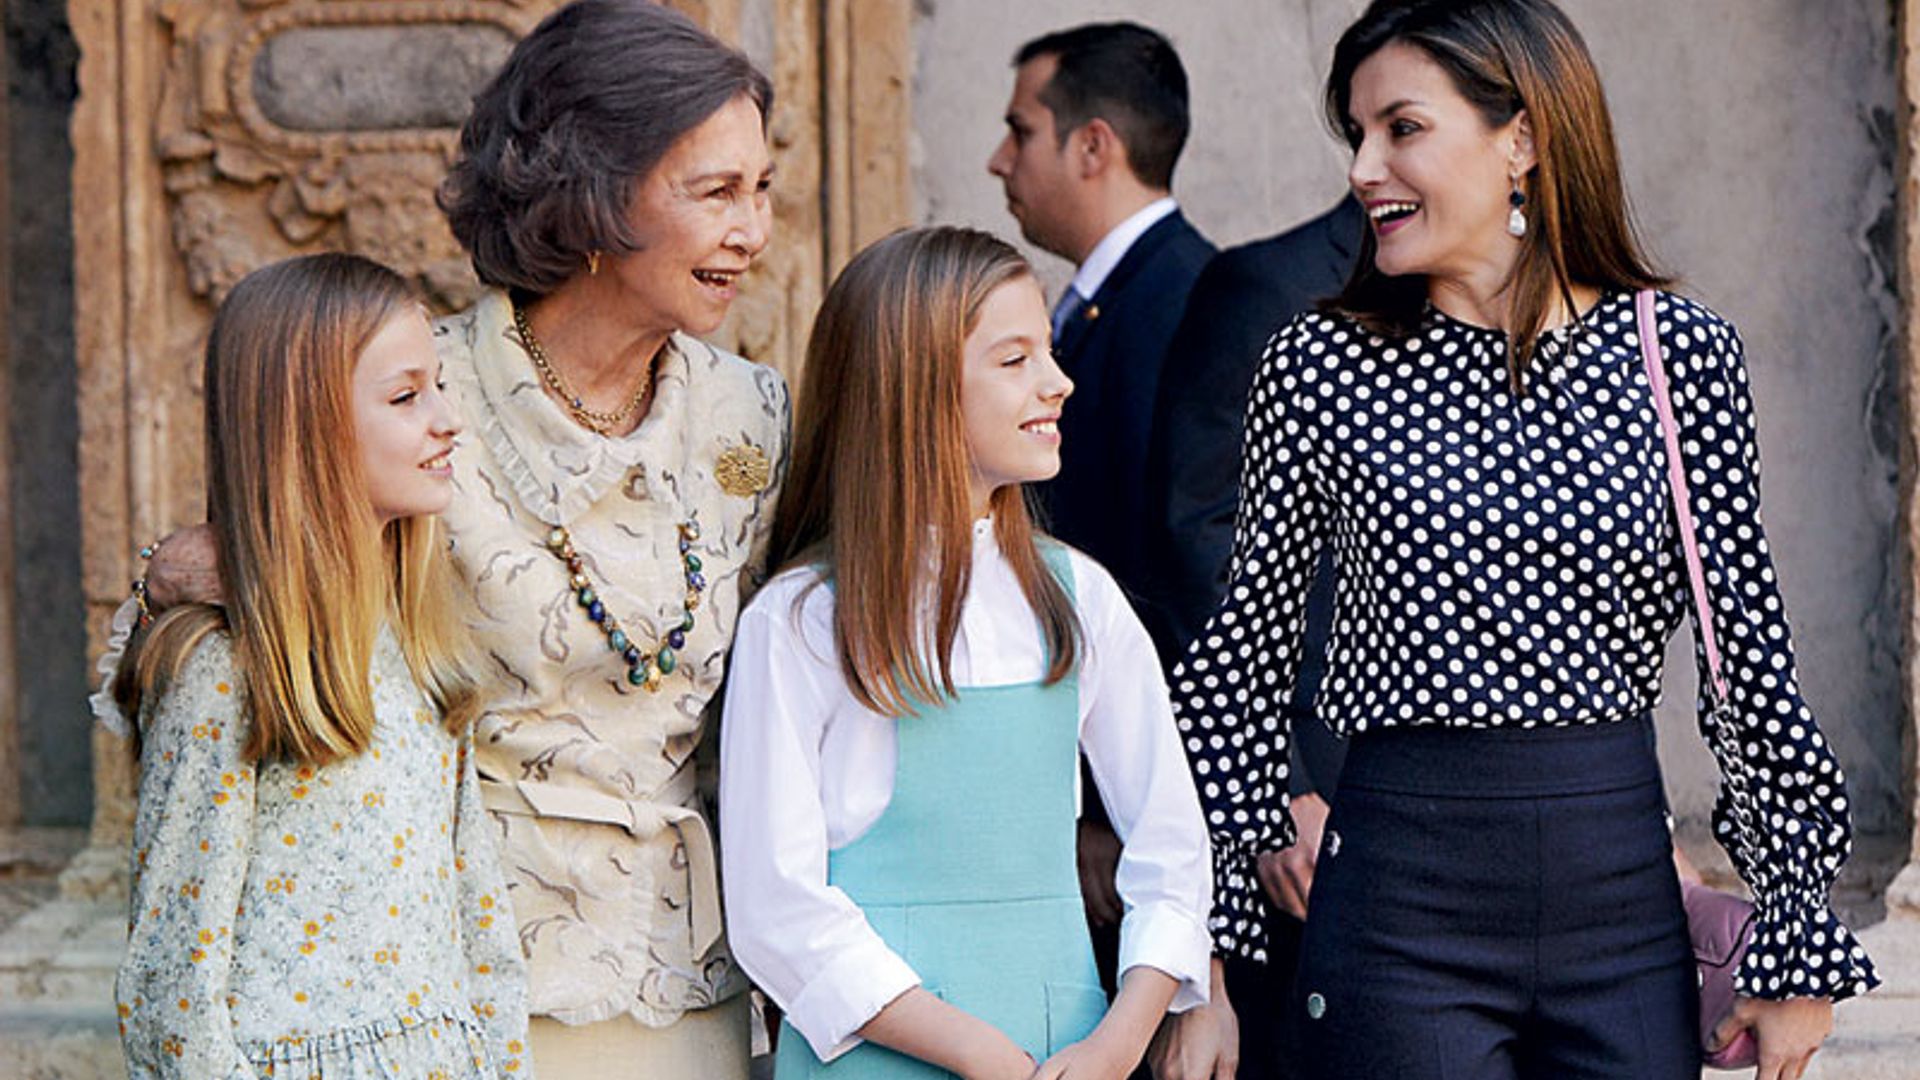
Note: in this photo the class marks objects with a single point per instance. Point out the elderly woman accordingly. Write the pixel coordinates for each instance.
(610, 509)
(612, 189)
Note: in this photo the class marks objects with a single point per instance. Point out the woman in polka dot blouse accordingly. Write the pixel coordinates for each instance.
(1470, 428)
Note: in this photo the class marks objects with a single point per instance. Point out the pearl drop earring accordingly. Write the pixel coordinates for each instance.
(1517, 217)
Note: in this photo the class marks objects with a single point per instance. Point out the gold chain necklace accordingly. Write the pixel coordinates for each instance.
(600, 423)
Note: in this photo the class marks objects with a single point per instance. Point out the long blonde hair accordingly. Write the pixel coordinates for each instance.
(878, 492)
(308, 572)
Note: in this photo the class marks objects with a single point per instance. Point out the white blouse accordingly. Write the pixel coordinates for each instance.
(806, 769)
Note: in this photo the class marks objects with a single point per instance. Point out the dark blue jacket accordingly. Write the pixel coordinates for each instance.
(1242, 297)
(1114, 350)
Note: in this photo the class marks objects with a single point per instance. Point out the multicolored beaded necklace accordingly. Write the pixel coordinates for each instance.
(645, 667)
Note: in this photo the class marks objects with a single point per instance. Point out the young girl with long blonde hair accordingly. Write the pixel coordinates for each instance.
(315, 893)
(906, 702)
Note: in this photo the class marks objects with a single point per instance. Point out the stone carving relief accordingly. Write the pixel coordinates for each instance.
(287, 126)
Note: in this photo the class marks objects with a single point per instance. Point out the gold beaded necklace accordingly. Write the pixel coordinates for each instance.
(600, 423)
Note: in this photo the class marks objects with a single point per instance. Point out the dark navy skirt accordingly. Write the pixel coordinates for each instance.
(1498, 904)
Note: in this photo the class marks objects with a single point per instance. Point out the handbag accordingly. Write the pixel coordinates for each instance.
(1720, 924)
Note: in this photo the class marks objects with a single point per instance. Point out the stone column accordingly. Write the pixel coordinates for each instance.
(9, 683)
(1903, 895)
(869, 129)
(57, 962)
(1878, 1037)
(770, 321)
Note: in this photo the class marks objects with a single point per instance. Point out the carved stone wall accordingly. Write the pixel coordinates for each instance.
(290, 127)
(210, 137)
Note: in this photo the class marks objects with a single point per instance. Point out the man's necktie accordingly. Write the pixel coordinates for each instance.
(1066, 311)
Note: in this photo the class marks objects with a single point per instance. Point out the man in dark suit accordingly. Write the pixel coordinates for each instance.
(1242, 297)
(1095, 126)
(1096, 123)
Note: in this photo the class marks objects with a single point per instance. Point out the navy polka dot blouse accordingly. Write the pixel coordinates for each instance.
(1512, 561)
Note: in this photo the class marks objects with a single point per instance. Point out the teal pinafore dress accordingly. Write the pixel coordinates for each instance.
(969, 872)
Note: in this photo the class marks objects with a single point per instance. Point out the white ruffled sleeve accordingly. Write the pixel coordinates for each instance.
(106, 711)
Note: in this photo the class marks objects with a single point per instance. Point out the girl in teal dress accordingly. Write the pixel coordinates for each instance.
(315, 890)
(908, 697)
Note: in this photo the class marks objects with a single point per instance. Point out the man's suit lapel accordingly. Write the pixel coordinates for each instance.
(1108, 298)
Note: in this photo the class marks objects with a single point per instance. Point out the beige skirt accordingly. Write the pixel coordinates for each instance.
(705, 1044)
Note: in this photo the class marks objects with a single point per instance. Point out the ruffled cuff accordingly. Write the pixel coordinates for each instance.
(1239, 918)
(1167, 938)
(1238, 921)
(1802, 950)
(106, 711)
(852, 990)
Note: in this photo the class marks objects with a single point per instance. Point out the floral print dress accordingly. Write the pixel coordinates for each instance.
(335, 922)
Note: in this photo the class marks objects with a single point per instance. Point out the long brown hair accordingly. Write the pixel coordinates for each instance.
(308, 572)
(1505, 57)
(878, 492)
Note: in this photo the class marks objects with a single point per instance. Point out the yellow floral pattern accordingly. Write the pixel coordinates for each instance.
(326, 923)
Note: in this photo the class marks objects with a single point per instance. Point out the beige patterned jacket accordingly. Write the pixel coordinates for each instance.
(607, 850)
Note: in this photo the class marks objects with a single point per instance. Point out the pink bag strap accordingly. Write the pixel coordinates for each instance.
(1677, 486)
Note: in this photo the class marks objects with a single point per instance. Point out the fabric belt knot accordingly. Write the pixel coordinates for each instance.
(674, 806)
